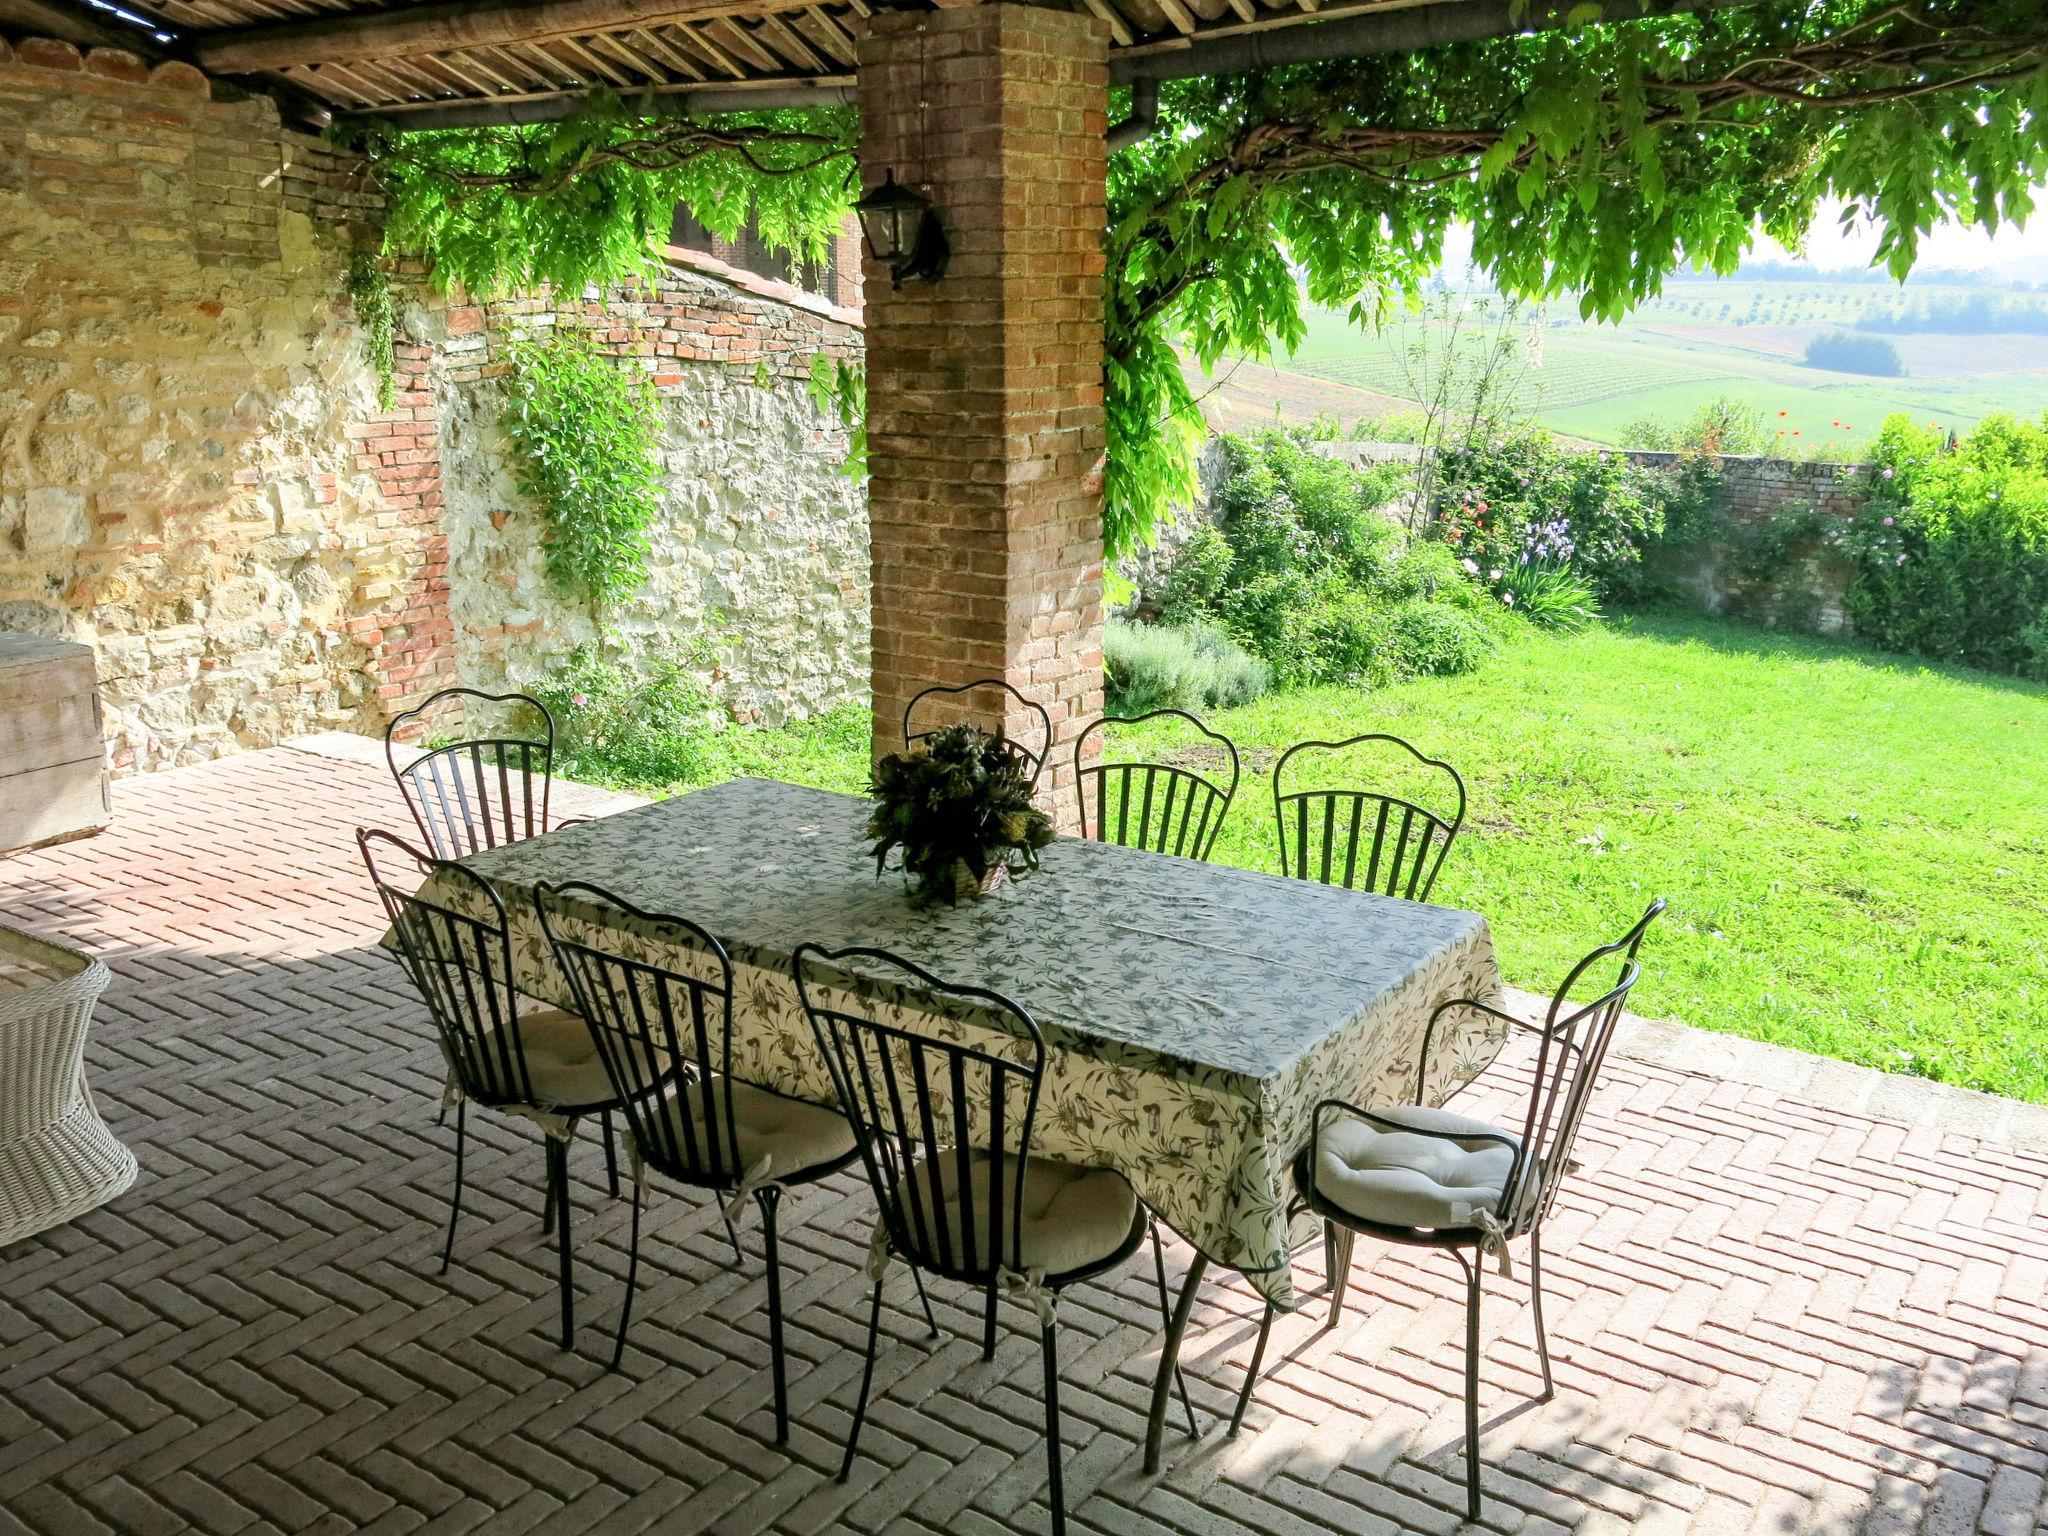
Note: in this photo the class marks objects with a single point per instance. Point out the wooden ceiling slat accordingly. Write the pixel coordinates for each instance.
(1182, 18)
(388, 85)
(1119, 29)
(673, 57)
(787, 43)
(710, 49)
(824, 33)
(744, 45)
(465, 72)
(579, 51)
(331, 85)
(628, 57)
(542, 67)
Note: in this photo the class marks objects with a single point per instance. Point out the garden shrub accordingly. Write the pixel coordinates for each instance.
(648, 719)
(1185, 666)
(1306, 572)
(1437, 640)
(1952, 550)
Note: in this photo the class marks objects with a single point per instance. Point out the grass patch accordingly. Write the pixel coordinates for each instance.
(1855, 845)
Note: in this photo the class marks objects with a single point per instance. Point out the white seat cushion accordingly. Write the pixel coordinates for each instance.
(793, 1134)
(1074, 1217)
(561, 1062)
(1396, 1179)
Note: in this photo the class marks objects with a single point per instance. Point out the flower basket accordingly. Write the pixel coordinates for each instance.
(58, 1160)
(960, 810)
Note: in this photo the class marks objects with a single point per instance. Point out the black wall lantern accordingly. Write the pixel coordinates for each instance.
(903, 231)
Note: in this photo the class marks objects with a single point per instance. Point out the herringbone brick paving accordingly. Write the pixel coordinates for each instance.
(1770, 1315)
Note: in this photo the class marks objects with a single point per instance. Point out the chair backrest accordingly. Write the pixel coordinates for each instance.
(928, 1111)
(1159, 806)
(658, 1030)
(459, 955)
(933, 700)
(478, 793)
(1365, 839)
(1572, 1049)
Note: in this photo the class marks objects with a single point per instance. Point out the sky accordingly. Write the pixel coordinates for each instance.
(1831, 247)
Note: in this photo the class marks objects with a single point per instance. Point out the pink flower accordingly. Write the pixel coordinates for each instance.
(579, 699)
(1888, 522)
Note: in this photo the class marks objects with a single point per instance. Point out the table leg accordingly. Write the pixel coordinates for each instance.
(1169, 1357)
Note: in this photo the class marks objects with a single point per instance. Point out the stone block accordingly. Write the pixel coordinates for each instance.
(55, 521)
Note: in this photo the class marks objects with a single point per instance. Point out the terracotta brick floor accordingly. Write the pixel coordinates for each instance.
(1771, 1314)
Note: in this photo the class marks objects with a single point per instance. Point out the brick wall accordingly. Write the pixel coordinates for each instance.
(1804, 589)
(985, 425)
(194, 474)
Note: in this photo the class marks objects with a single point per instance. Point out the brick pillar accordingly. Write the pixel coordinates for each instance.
(985, 422)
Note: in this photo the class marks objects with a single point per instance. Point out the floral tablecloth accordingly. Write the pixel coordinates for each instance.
(1194, 1015)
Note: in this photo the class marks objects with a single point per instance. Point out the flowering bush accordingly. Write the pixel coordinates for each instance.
(1525, 500)
(1952, 550)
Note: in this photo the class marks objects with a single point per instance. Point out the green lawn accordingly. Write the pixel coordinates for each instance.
(1855, 846)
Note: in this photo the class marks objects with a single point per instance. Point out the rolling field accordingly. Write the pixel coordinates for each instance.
(1702, 341)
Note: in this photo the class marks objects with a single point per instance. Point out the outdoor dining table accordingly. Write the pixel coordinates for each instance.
(1194, 1015)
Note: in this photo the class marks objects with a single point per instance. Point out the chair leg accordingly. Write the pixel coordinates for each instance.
(1166, 1316)
(1251, 1375)
(917, 1275)
(1053, 1455)
(632, 1278)
(867, 1380)
(1340, 1273)
(768, 1199)
(547, 1211)
(732, 1236)
(1473, 1292)
(988, 1326)
(558, 1153)
(455, 1204)
(1536, 1294)
(611, 1152)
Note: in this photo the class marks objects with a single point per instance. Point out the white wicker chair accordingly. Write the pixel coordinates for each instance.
(58, 1160)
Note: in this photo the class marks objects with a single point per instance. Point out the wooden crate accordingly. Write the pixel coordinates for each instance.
(53, 767)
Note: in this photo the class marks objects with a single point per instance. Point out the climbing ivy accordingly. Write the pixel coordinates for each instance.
(839, 387)
(369, 290)
(586, 435)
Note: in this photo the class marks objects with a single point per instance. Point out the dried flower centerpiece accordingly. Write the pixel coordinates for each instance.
(960, 809)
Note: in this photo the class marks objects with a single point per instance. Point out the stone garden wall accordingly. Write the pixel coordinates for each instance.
(195, 478)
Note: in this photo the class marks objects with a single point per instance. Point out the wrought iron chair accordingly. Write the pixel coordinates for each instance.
(665, 1038)
(1432, 1178)
(470, 795)
(1407, 842)
(945, 1131)
(1034, 762)
(542, 1066)
(1157, 806)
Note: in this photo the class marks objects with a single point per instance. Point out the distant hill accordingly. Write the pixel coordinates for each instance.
(1698, 340)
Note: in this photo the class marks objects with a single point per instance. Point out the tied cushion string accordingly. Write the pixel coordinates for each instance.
(1029, 1287)
(753, 1180)
(1493, 1241)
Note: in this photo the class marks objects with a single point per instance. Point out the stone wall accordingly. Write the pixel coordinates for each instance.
(763, 551)
(196, 480)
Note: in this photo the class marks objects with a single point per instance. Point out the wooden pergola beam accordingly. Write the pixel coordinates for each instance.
(440, 26)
